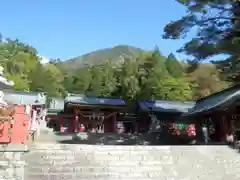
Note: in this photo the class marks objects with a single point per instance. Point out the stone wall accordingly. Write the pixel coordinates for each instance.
(12, 162)
(70, 161)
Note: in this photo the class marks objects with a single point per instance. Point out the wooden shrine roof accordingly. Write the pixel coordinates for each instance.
(222, 99)
(165, 106)
(82, 100)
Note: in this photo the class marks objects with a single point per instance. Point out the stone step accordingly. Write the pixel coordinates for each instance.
(62, 161)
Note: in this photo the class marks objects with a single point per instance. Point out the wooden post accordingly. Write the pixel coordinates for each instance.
(136, 126)
(114, 124)
(230, 122)
(224, 127)
(76, 120)
(61, 121)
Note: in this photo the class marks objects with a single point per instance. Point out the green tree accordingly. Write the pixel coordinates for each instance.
(95, 87)
(217, 33)
(103, 81)
(47, 79)
(173, 89)
(156, 83)
(173, 66)
(129, 80)
(19, 60)
(109, 81)
(166, 87)
(152, 70)
(80, 81)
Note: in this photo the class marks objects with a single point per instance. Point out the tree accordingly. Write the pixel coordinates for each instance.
(148, 76)
(129, 80)
(173, 89)
(47, 79)
(156, 83)
(217, 33)
(166, 87)
(20, 83)
(109, 81)
(80, 82)
(206, 81)
(19, 60)
(152, 70)
(54, 75)
(173, 66)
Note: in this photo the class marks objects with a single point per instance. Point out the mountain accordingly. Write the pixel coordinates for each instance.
(114, 54)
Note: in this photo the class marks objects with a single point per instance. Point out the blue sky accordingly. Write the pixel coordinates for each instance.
(68, 28)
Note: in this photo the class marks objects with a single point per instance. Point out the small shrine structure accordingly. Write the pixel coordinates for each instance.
(160, 116)
(95, 113)
(220, 112)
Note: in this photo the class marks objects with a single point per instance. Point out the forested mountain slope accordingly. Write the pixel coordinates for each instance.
(115, 54)
(121, 71)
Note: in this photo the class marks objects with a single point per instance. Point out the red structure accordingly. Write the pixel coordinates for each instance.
(5, 128)
(16, 131)
(163, 114)
(92, 113)
(103, 113)
(219, 112)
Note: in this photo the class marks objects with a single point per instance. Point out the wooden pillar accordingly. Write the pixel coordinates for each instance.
(114, 123)
(225, 126)
(134, 126)
(61, 122)
(137, 127)
(230, 123)
(144, 122)
(221, 130)
(76, 121)
(105, 123)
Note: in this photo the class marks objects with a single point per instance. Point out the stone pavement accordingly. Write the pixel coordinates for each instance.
(12, 162)
(81, 162)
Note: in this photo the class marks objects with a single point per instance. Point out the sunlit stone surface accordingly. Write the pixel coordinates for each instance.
(12, 162)
(64, 161)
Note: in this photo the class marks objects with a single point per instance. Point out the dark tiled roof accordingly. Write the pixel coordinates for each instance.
(82, 99)
(222, 98)
(165, 106)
